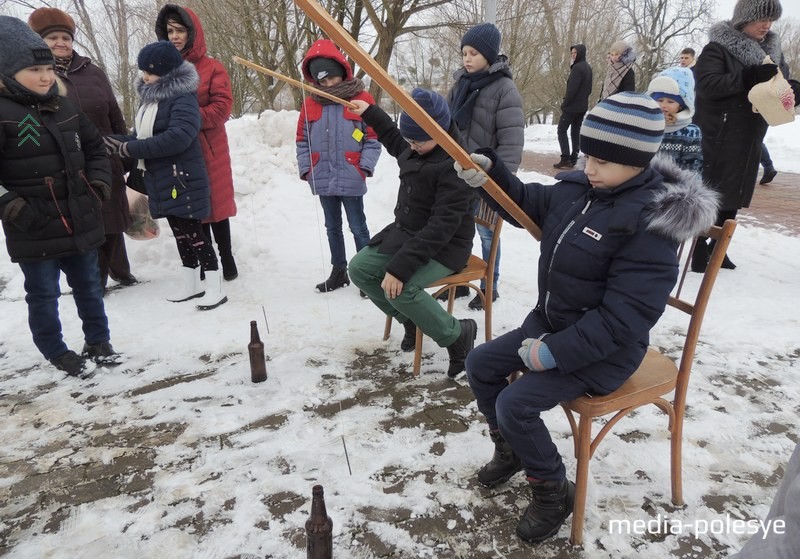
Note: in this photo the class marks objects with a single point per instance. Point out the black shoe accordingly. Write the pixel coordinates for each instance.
(502, 466)
(564, 163)
(461, 291)
(409, 342)
(126, 281)
(101, 353)
(460, 348)
(768, 175)
(477, 305)
(700, 256)
(551, 504)
(363, 295)
(573, 159)
(337, 279)
(727, 264)
(72, 364)
(229, 271)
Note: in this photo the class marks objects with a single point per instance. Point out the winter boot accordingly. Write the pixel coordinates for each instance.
(502, 466)
(477, 305)
(215, 296)
(229, 271)
(550, 506)
(461, 291)
(73, 364)
(726, 262)
(191, 287)
(564, 163)
(769, 174)
(337, 279)
(101, 353)
(700, 256)
(409, 342)
(573, 159)
(460, 348)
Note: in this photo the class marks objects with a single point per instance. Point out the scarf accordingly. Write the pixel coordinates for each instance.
(145, 119)
(20, 94)
(63, 64)
(467, 90)
(343, 90)
(615, 71)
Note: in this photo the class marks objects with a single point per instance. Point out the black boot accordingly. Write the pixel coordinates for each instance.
(502, 466)
(229, 271)
(769, 174)
(551, 504)
(409, 342)
(573, 159)
(726, 262)
(461, 291)
(337, 279)
(460, 348)
(700, 256)
(564, 163)
(477, 305)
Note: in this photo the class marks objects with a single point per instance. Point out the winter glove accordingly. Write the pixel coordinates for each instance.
(102, 190)
(21, 215)
(474, 177)
(758, 73)
(536, 355)
(116, 147)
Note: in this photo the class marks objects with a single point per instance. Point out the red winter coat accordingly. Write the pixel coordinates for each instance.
(216, 99)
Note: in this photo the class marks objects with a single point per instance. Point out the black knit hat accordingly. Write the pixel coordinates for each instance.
(321, 68)
(433, 104)
(20, 47)
(485, 38)
(747, 11)
(159, 58)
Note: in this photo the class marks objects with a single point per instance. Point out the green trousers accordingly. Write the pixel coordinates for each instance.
(367, 270)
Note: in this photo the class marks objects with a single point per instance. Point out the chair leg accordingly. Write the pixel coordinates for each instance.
(387, 329)
(418, 353)
(676, 448)
(487, 311)
(581, 479)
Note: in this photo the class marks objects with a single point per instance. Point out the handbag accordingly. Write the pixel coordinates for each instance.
(773, 99)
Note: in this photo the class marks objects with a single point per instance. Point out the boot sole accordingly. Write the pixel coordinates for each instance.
(554, 531)
(195, 296)
(214, 306)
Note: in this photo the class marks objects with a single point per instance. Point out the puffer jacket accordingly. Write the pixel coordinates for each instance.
(498, 121)
(608, 261)
(50, 168)
(433, 216)
(175, 174)
(215, 99)
(336, 150)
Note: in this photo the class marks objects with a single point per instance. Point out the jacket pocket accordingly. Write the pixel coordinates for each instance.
(354, 159)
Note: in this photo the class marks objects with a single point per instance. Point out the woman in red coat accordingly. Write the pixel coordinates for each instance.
(182, 27)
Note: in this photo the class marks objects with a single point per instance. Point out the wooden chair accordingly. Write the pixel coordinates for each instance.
(657, 376)
(476, 270)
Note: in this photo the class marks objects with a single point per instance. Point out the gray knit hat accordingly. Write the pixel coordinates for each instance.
(625, 128)
(747, 11)
(20, 47)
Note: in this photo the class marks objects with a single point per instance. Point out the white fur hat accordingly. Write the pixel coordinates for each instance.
(747, 11)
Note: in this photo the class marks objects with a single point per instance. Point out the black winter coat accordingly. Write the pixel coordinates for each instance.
(52, 175)
(433, 216)
(608, 261)
(579, 83)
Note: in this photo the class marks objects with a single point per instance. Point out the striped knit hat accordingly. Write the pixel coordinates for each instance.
(433, 104)
(625, 128)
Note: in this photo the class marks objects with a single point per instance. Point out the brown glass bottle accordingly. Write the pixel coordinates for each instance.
(258, 363)
(319, 528)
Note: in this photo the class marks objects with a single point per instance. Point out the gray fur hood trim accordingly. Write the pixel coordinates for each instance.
(684, 208)
(183, 79)
(744, 49)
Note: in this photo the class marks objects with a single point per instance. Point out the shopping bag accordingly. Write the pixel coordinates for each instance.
(773, 99)
(143, 226)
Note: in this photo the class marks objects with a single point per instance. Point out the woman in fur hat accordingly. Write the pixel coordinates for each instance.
(729, 66)
(88, 88)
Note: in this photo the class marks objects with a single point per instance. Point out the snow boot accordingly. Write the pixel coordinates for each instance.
(101, 353)
(460, 348)
(700, 256)
(564, 163)
(573, 159)
(73, 364)
(229, 271)
(337, 279)
(551, 504)
(726, 262)
(191, 286)
(409, 342)
(215, 296)
(503, 465)
(461, 291)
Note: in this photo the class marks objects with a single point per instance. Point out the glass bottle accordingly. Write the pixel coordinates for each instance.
(319, 528)
(258, 363)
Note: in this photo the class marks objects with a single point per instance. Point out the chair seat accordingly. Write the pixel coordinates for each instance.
(474, 270)
(656, 376)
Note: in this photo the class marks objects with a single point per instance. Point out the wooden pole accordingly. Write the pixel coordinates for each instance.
(339, 36)
(293, 82)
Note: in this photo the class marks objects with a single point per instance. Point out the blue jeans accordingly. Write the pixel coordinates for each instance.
(354, 208)
(486, 236)
(42, 292)
(515, 408)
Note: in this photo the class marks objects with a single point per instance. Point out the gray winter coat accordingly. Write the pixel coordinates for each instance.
(498, 121)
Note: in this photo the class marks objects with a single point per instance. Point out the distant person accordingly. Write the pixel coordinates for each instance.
(336, 152)
(487, 108)
(620, 75)
(769, 168)
(574, 106)
(687, 58)
(89, 89)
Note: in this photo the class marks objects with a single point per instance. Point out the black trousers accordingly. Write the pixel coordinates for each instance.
(574, 122)
(194, 247)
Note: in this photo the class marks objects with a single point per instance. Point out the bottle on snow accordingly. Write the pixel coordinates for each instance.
(319, 528)
(258, 363)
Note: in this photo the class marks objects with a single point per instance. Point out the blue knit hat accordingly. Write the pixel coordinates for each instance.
(675, 83)
(20, 47)
(625, 128)
(433, 104)
(159, 58)
(485, 38)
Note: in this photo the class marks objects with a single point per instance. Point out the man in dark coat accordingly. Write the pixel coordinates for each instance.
(574, 106)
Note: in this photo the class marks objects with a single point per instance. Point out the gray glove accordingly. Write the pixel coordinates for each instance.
(474, 177)
(116, 147)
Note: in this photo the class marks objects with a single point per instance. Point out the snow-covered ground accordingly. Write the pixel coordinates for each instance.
(226, 467)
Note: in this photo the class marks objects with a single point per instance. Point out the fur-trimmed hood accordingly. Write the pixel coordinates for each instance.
(684, 208)
(745, 49)
(183, 79)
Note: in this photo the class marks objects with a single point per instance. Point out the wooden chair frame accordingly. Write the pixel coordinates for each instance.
(657, 376)
(476, 269)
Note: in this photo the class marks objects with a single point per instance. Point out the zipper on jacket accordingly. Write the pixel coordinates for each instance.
(49, 182)
(89, 185)
(177, 178)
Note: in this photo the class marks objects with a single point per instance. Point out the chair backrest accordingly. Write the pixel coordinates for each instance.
(721, 237)
(490, 219)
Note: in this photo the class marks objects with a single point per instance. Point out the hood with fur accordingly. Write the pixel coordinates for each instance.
(745, 49)
(183, 79)
(684, 208)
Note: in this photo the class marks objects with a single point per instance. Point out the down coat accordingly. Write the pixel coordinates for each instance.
(608, 261)
(175, 175)
(215, 98)
(52, 175)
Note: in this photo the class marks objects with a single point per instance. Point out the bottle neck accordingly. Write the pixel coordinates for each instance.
(318, 509)
(254, 332)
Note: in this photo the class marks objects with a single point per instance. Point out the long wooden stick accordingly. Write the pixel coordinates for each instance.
(294, 82)
(339, 36)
